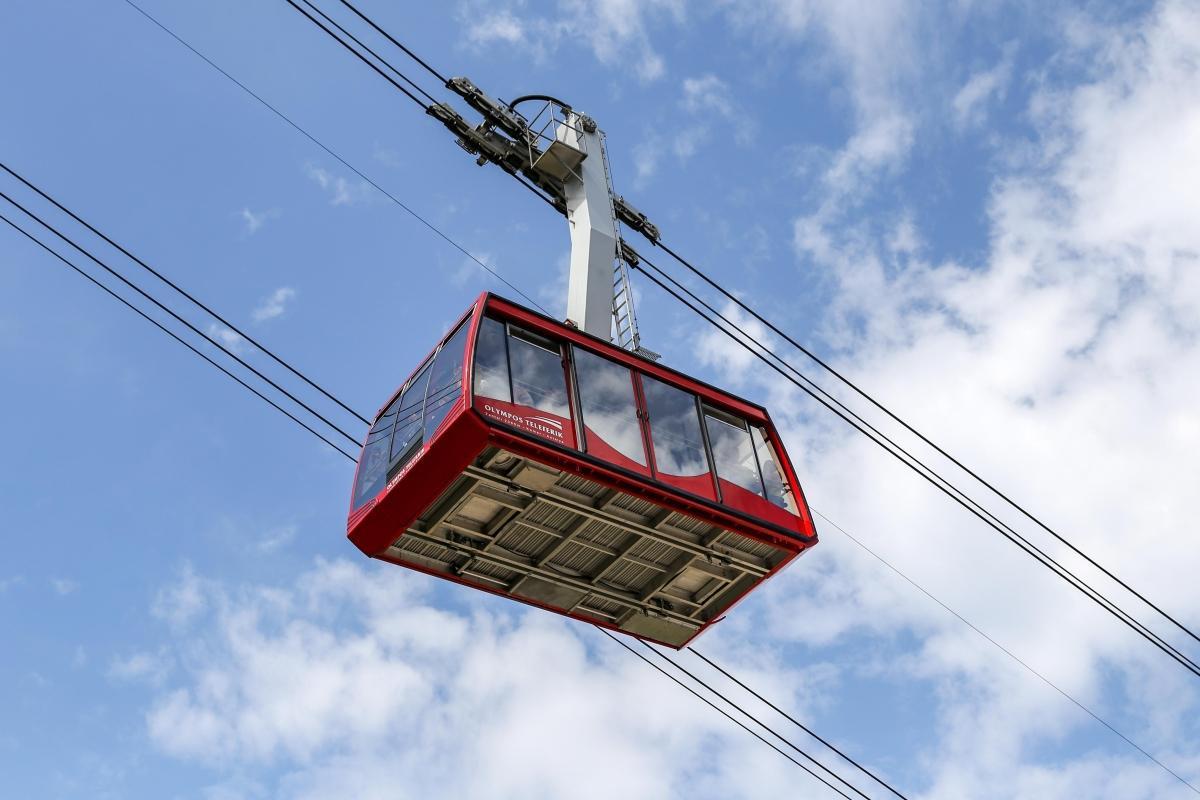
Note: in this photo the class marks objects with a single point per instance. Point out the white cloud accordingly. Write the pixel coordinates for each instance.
(614, 30)
(226, 336)
(1065, 368)
(980, 89)
(501, 26)
(276, 538)
(350, 675)
(182, 601)
(254, 220)
(63, 586)
(152, 668)
(342, 192)
(273, 305)
(708, 103)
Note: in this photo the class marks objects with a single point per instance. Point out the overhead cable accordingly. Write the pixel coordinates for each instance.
(977, 630)
(724, 713)
(743, 339)
(172, 334)
(389, 37)
(678, 666)
(358, 55)
(869, 398)
(190, 297)
(175, 315)
(295, 126)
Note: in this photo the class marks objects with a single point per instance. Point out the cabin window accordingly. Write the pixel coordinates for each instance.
(538, 380)
(445, 380)
(778, 490)
(679, 455)
(491, 361)
(407, 437)
(372, 465)
(733, 451)
(609, 410)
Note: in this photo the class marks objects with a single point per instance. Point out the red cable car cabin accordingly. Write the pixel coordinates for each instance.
(576, 476)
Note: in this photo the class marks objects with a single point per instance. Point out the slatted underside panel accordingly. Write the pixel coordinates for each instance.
(567, 542)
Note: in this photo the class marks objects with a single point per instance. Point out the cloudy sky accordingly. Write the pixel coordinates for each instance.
(987, 213)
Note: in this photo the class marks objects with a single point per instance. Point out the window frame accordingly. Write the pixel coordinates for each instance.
(742, 424)
(639, 410)
(648, 428)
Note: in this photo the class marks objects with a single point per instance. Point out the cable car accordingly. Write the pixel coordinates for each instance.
(532, 460)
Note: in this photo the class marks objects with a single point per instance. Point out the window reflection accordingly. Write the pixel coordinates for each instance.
(778, 490)
(537, 376)
(408, 416)
(372, 465)
(733, 451)
(491, 362)
(675, 429)
(445, 381)
(609, 411)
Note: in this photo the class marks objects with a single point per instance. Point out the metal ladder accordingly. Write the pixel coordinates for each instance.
(625, 328)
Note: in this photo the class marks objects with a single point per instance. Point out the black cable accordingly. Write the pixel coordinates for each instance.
(357, 54)
(186, 294)
(1032, 551)
(862, 393)
(340, 160)
(723, 712)
(378, 57)
(797, 723)
(921, 469)
(388, 36)
(949, 488)
(989, 639)
(766, 727)
(180, 319)
(172, 334)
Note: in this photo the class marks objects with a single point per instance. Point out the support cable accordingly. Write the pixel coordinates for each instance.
(970, 625)
(795, 721)
(388, 36)
(377, 57)
(333, 154)
(769, 729)
(869, 398)
(358, 55)
(724, 713)
(172, 334)
(741, 336)
(208, 310)
(353, 441)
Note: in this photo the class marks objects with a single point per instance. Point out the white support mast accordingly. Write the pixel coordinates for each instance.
(593, 224)
(572, 170)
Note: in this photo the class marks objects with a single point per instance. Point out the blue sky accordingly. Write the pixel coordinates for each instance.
(984, 211)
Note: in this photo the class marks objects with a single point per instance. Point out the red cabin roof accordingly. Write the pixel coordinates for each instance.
(529, 459)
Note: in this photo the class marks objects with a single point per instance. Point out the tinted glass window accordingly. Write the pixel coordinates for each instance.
(733, 451)
(537, 375)
(778, 490)
(408, 416)
(675, 429)
(491, 362)
(372, 465)
(609, 410)
(445, 380)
